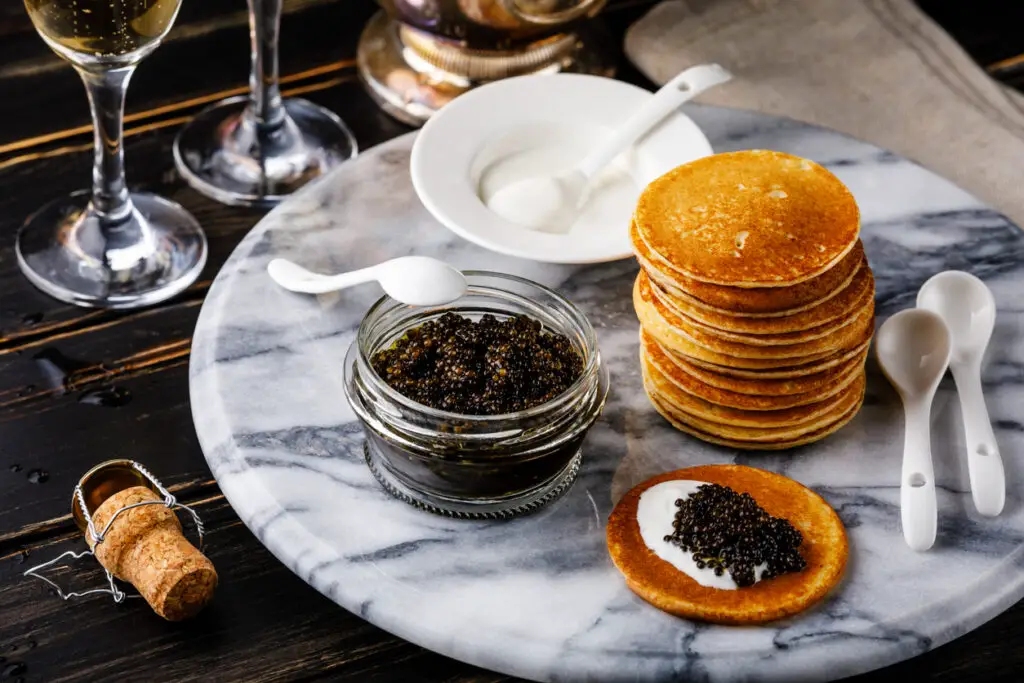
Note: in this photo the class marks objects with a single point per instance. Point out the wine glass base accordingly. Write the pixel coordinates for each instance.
(221, 154)
(62, 251)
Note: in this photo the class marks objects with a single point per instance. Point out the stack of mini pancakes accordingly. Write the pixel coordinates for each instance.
(755, 299)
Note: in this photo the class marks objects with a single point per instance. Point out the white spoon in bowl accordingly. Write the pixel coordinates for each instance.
(913, 349)
(969, 309)
(552, 202)
(413, 280)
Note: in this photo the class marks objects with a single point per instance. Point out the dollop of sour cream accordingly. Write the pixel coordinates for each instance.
(654, 514)
(608, 203)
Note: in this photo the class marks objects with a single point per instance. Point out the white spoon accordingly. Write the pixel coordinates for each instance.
(551, 203)
(913, 349)
(969, 309)
(413, 280)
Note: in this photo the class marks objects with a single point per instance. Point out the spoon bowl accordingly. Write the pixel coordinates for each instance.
(913, 348)
(548, 203)
(968, 307)
(421, 281)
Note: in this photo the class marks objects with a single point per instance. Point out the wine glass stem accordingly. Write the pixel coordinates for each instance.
(106, 91)
(264, 90)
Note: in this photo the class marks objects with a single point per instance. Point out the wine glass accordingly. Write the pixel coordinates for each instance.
(108, 248)
(255, 150)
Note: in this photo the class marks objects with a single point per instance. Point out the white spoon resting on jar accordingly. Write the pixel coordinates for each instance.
(413, 280)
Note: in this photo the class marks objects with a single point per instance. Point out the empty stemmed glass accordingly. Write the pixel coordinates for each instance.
(107, 247)
(255, 150)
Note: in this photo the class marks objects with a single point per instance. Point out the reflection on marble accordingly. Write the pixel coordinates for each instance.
(538, 596)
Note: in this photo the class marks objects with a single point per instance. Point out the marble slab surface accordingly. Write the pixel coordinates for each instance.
(538, 597)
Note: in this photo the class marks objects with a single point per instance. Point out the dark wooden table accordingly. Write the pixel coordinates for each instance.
(78, 387)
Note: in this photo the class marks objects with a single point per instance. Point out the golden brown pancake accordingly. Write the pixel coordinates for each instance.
(764, 436)
(814, 367)
(767, 386)
(842, 336)
(840, 311)
(810, 438)
(675, 343)
(825, 549)
(810, 323)
(674, 333)
(750, 301)
(656, 362)
(755, 218)
(712, 412)
(767, 438)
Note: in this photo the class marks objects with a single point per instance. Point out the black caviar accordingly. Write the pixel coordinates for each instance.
(488, 366)
(729, 531)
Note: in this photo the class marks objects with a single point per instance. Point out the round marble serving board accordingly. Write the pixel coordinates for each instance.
(538, 596)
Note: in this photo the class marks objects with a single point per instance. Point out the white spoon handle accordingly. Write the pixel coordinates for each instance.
(680, 89)
(918, 508)
(985, 466)
(295, 278)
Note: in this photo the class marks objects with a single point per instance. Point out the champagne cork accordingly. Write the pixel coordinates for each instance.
(146, 547)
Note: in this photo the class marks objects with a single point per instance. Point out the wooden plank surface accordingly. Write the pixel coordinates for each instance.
(78, 387)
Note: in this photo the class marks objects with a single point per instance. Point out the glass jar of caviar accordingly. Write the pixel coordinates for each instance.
(476, 465)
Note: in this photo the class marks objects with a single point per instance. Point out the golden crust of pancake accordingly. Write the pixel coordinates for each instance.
(844, 408)
(761, 437)
(825, 548)
(836, 312)
(694, 405)
(676, 343)
(808, 324)
(761, 386)
(682, 407)
(820, 365)
(755, 302)
(754, 218)
(666, 412)
(674, 333)
(684, 381)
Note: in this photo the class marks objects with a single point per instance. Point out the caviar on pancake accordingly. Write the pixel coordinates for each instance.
(727, 544)
(726, 530)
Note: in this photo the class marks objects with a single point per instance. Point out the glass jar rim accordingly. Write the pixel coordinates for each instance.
(582, 323)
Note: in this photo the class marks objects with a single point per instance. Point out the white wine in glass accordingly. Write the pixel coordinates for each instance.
(106, 247)
(102, 28)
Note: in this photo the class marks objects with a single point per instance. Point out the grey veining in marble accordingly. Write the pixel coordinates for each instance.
(538, 597)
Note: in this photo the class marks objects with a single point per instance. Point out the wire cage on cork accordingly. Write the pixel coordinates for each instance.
(129, 523)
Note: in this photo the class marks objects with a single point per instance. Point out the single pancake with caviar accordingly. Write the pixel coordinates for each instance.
(822, 546)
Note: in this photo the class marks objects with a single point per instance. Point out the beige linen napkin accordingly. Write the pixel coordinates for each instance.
(879, 70)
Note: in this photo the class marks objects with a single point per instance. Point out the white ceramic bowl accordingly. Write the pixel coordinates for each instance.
(460, 142)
